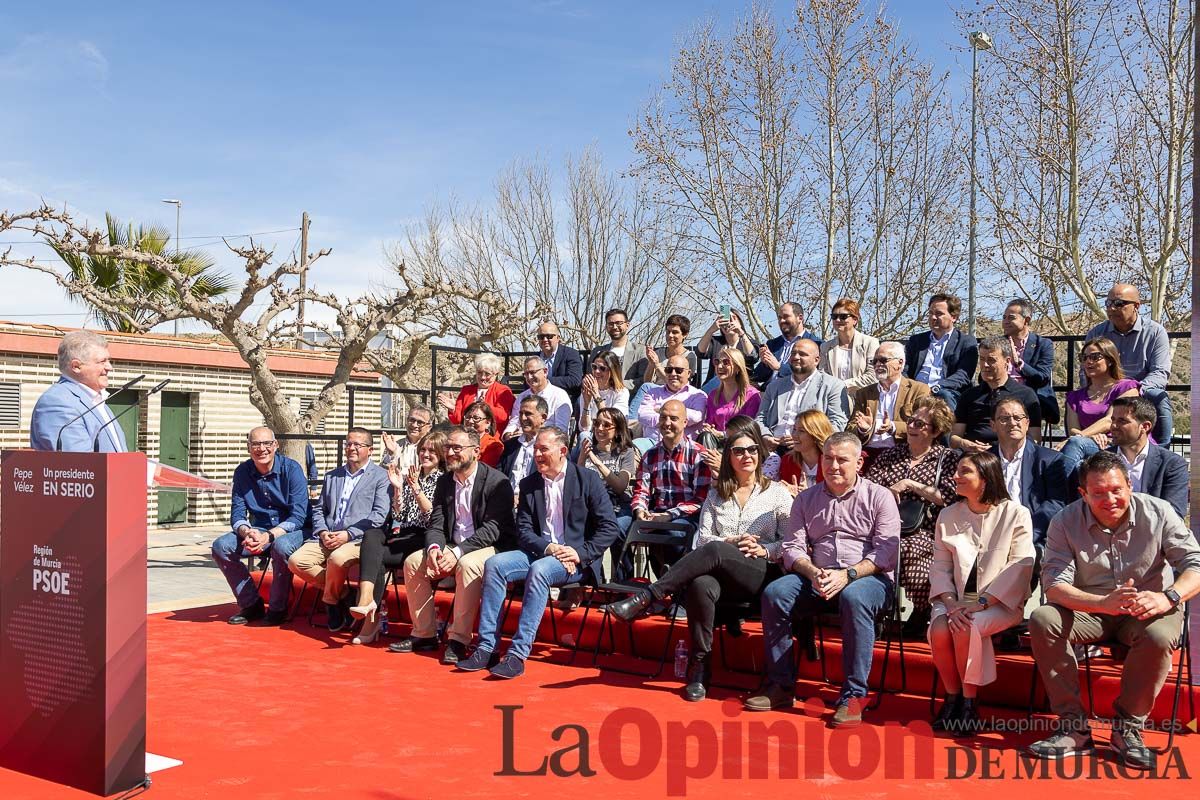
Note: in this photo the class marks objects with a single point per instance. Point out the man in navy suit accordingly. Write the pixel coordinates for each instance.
(356, 497)
(1033, 357)
(774, 356)
(564, 365)
(84, 364)
(1153, 470)
(942, 357)
(1034, 475)
(565, 523)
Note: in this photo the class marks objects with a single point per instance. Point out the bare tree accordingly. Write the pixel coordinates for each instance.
(355, 323)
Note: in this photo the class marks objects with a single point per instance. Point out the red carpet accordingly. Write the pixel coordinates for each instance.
(277, 713)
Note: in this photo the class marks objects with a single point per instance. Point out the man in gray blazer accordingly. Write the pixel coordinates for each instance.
(787, 397)
(356, 498)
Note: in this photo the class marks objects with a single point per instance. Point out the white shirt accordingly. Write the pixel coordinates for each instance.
(1136, 466)
(795, 404)
(522, 463)
(609, 398)
(619, 352)
(785, 355)
(558, 401)
(554, 507)
(1012, 473)
(102, 410)
(931, 370)
(885, 408)
(464, 522)
(842, 358)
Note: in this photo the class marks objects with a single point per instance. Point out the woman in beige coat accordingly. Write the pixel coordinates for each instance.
(979, 582)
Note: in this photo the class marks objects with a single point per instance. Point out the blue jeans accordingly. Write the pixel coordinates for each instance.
(228, 555)
(1164, 427)
(950, 396)
(792, 597)
(500, 570)
(622, 569)
(1076, 450)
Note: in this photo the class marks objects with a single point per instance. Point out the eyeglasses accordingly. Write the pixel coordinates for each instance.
(604, 426)
(739, 452)
(839, 317)
(598, 367)
(456, 448)
(723, 362)
(532, 372)
(474, 420)
(1093, 357)
(916, 423)
(675, 370)
(1120, 303)
(618, 322)
(542, 337)
(416, 423)
(266, 444)
(1015, 419)
(881, 360)
(357, 446)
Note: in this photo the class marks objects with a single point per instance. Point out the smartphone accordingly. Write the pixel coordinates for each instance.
(725, 310)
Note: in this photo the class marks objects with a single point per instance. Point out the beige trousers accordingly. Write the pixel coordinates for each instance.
(468, 587)
(328, 568)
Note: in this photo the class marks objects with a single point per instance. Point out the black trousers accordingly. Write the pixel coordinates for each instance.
(716, 571)
(382, 550)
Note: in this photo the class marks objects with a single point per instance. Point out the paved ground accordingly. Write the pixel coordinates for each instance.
(181, 571)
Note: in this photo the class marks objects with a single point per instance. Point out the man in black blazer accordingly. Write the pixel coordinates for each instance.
(942, 357)
(565, 523)
(1034, 475)
(1033, 357)
(1153, 470)
(472, 520)
(564, 365)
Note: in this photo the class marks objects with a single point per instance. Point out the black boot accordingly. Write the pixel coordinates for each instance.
(631, 607)
(699, 675)
(947, 717)
(968, 722)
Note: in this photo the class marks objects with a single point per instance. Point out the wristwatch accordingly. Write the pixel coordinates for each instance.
(1173, 596)
(983, 601)
(851, 575)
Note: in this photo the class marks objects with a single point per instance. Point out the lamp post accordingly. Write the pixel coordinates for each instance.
(979, 41)
(179, 206)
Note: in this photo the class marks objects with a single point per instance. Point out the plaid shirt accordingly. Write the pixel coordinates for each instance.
(675, 481)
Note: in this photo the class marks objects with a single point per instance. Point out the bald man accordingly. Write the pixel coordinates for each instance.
(1145, 352)
(564, 365)
(804, 387)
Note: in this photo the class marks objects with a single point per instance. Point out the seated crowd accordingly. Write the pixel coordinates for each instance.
(805, 477)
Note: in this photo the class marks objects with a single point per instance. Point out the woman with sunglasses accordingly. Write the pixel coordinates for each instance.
(847, 356)
(737, 553)
(478, 417)
(603, 387)
(610, 453)
(920, 468)
(486, 388)
(1089, 408)
(412, 503)
(979, 581)
(734, 395)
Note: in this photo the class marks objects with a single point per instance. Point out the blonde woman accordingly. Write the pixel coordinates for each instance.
(603, 387)
(734, 395)
(800, 467)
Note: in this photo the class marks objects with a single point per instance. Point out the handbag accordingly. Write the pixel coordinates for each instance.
(915, 512)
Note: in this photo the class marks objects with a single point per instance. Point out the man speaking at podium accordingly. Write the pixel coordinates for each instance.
(72, 411)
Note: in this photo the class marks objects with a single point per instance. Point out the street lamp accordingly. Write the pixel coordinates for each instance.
(178, 207)
(979, 41)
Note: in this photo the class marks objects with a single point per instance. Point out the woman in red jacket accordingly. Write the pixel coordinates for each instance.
(485, 388)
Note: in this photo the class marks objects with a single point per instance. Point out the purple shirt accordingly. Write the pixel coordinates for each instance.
(694, 401)
(838, 532)
(720, 412)
(1087, 411)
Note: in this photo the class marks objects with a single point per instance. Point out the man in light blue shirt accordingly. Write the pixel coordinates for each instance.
(356, 498)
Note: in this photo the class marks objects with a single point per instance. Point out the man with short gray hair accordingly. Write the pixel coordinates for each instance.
(558, 402)
(881, 409)
(62, 412)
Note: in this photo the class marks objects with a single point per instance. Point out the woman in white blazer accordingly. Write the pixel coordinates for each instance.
(847, 356)
(979, 582)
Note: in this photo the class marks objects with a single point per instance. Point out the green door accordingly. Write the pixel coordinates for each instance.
(129, 422)
(174, 450)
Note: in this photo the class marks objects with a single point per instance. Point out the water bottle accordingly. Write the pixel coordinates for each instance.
(383, 622)
(681, 659)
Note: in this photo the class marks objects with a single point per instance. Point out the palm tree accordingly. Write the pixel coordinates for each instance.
(123, 279)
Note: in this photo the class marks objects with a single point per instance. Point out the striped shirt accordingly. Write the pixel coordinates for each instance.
(673, 481)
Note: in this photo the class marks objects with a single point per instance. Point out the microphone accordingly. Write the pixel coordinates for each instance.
(90, 409)
(155, 390)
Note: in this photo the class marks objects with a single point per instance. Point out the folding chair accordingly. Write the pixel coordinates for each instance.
(641, 534)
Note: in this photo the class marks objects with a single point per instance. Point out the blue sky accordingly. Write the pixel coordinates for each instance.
(363, 114)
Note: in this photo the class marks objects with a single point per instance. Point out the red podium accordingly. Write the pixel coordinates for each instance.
(73, 618)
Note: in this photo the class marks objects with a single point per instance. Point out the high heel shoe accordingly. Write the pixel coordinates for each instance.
(365, 612)
(369, 633)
